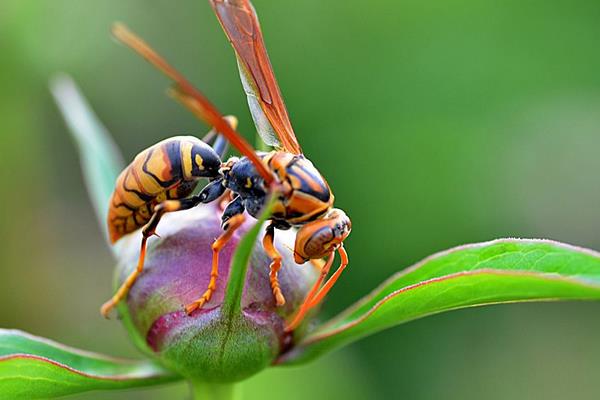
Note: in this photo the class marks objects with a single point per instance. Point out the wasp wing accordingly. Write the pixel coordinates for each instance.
(240, 23)
(191, 97)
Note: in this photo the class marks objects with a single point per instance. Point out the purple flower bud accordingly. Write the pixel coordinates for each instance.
(207, 345)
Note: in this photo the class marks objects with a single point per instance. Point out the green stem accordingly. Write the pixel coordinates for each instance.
(214, 391)
(241, 258)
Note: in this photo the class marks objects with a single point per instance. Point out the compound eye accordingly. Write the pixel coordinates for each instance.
(312, 242)
(317, 239)
(319, 243)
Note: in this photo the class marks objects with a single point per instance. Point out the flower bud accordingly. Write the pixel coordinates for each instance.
(207, 345)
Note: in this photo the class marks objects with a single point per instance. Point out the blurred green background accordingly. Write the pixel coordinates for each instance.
(436, 123)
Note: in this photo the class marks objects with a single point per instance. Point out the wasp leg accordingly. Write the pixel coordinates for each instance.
(317, 263)
(124, 289)
(232, 218)
(331, 281)
(148, 230)
(307, 304)
(220, 144)
(235, 207)
(211, 192)
(275, 264)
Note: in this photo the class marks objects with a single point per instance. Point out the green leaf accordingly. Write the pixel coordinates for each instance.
(239, 264)
(36, 368)
(501, 271)
(101, 160)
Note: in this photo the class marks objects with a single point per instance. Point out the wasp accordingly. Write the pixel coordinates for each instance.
(162, 178)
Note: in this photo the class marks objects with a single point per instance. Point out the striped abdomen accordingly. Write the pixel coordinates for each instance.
(168, 170)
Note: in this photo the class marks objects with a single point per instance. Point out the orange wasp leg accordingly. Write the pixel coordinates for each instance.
(331, 281)
(307, 304)
(124, 289)
(148, 230)
(232, 225)
(275, 264)
(317, 263)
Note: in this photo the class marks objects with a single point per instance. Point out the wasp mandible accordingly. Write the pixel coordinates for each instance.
(161, 178)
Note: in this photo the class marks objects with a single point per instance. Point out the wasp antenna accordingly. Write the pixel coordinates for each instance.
(130, 39)
(289, 248)
(317, 263)
(189, 96)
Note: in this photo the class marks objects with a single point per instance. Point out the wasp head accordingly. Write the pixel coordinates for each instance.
(323, 236)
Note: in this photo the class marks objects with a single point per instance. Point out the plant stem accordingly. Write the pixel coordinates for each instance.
(214, 391)
(237, 277)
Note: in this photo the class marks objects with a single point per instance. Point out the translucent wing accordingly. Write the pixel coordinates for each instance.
(241, 26)
(191, 97)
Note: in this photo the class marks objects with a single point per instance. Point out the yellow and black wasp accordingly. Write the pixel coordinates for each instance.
(161, 179)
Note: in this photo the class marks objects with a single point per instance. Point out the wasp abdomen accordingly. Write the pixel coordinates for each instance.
(167, 170)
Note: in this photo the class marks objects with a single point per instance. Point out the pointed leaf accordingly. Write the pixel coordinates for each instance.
(502, 271)
(101, 160)
(36, 368)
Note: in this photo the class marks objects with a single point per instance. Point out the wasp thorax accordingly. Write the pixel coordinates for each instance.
(206, 345)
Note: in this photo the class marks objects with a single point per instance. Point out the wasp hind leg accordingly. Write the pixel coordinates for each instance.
(233, 217)
(147, 231)
(211, 192)
(220, 144)
(124, 288)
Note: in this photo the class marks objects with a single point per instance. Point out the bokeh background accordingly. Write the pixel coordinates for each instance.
(437, 123)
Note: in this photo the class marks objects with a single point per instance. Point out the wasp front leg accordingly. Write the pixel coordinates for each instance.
(269, 246)
(318, 293)
(307, 304)
(316, 240)
(332, 280)
(232, 219)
